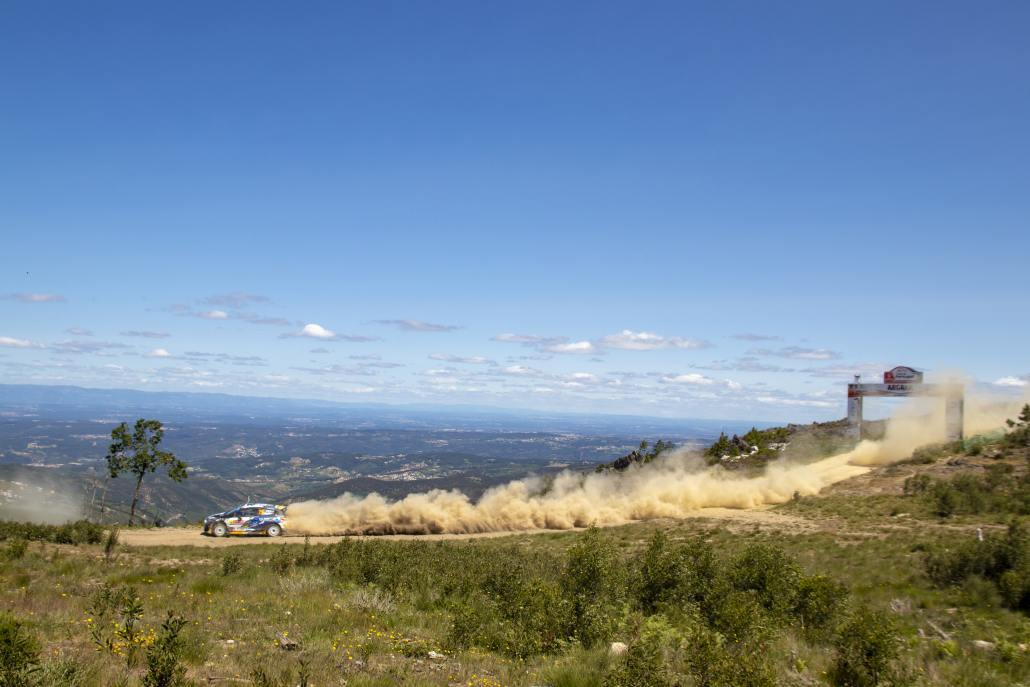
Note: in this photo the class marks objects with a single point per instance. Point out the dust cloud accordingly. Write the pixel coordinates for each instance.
(674, 485)
(26, 496)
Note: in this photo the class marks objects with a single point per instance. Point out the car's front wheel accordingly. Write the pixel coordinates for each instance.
(274, 530)
(219, 529)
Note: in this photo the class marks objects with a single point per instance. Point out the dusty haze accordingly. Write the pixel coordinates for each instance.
(672, 486)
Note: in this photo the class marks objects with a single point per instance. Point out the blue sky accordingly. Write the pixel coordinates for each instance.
(682, 209)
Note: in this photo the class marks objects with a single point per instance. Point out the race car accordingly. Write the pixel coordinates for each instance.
(250, 518)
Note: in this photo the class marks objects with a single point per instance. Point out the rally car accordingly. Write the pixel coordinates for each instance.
(250, 518)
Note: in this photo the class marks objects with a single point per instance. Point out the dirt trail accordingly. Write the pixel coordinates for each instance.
(181, 536)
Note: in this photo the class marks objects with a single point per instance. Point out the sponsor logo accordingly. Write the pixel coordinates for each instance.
(902, 374)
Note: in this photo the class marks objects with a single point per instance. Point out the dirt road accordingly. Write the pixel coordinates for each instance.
(181, 536)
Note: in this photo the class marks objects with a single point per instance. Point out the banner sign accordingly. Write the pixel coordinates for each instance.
(902, 375)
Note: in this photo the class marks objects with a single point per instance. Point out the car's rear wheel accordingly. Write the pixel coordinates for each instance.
(274, 530)
(219, 529)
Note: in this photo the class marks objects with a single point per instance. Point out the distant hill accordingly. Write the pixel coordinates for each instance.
(82, 402)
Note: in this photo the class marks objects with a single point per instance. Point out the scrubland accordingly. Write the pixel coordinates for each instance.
(915, 574)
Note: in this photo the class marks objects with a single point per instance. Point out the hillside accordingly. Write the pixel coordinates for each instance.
(913, 574)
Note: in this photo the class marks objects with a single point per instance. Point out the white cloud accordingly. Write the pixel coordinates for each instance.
(627, 339)
(35, 297)
(469, 360)
(797, 353)
(236, 299)
(95, 347)
(214, 315)
(78, 331)
(317, 331)
(16, 343)
(630, 340)
(806, 403)
(573, 347)
(1010, 381)
(581, 379)
(419, 325)
(146, 334)
(159, 353)
(749, 336)
(692, 378)
(527, 339)
(522, 371)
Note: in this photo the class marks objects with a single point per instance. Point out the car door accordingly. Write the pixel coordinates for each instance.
(233, 519)
(247, 516)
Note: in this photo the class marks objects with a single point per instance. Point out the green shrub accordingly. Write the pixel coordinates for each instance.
(819, 601)
(110, 544)
(1004, 560)
(642, 666)
(81, 532)
(659, 574)
(163, 658)
(1019, 429)
(714, 661)
(866, 647)
(592, 584)
(961, 494)
(16, 549)
(770, 574)
(917, 484)
(19, 653)
(740, 617)
(232, 563)
(997, 490)
(282, 561)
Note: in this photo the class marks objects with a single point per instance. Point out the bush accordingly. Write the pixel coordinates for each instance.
(163, 658)
(866, 647)
(659, 575)
(1019, 429)
(282, 561)
(81, 532)
(592, 584)
(643, 666)
(232, 563)
(19, 653)
(16, 549)
(712, 661)
(1005, 561)
(819, 602)
(110, 544)
(997, 490)
(960, 494)
(917, 484)
(770, 574)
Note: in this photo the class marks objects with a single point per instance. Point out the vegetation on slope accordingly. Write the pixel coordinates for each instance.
(638, 456)
(865, 586)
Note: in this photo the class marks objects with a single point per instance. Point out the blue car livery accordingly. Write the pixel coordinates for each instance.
(250, 518)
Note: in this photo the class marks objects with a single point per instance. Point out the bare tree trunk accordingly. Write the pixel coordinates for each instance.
(103, 500)
(135, 498)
